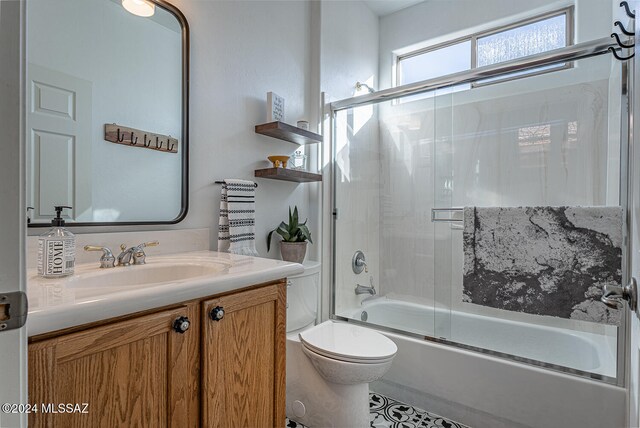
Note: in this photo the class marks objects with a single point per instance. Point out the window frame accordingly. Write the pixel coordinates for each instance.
(568, 12)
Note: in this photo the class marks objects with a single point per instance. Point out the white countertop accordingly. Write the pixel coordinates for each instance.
(55, 304)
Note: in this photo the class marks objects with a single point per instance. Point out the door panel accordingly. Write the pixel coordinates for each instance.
(59, 142)
(138, 372)
(243, 372)
(13, 343)
(633, 347)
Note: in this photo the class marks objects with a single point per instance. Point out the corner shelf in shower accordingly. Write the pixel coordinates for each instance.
(284, 131)
(285, 174)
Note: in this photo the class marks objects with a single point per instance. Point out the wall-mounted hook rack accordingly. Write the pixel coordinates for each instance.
(620, 43)
(621, 58)
(624, 30)
(627, 9)
(129, 137)
(630, 43)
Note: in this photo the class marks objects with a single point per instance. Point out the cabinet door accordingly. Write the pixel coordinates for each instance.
(139, 372)
(243, 357)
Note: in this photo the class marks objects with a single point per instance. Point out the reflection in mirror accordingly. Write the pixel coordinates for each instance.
(92, 63)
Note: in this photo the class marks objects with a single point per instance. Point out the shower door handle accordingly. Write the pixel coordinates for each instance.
(614, 295)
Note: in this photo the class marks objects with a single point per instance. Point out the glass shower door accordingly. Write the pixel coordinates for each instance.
(551, 140)
(383, 194)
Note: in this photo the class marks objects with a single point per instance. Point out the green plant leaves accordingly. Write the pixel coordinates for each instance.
(304, 232)
(292, 232)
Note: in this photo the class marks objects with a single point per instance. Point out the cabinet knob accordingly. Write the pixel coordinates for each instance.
(217, 313)
(181, 324)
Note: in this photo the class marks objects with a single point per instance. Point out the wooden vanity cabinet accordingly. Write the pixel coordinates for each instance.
(243, 359)
(138, 372)
(142, 372)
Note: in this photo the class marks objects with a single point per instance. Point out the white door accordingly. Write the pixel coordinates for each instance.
(13, 343)
(58, 143)
(633, 352)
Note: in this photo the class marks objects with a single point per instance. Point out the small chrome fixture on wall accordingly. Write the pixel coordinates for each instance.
(358, 263)
(137, 138)
(360, 86)
(435, 217)
(630, 42)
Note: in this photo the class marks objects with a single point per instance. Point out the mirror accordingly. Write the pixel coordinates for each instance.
(106, 119)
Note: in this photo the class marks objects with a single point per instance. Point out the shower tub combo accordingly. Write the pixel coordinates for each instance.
(393, 161)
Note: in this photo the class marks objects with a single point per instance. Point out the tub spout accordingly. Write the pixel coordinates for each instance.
(363, 289)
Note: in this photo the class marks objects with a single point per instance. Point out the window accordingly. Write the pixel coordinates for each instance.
(524, 38)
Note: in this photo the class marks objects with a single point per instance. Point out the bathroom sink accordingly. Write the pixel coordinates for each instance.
(145, 275)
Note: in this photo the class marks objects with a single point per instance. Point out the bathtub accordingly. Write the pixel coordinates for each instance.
(485, 390)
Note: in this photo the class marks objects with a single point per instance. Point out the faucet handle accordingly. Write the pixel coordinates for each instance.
(123, 247)
(139, 257)
(107, 260)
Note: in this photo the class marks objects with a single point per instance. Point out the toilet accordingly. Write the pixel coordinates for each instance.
(329, 365)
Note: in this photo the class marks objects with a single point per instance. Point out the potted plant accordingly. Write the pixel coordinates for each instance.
(295, 235)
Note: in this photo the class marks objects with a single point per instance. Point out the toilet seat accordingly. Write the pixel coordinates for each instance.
(348, 343)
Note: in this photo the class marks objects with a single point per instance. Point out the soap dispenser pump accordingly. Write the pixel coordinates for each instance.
(56, 249)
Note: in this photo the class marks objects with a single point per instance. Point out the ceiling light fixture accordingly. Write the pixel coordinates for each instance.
(139, 7)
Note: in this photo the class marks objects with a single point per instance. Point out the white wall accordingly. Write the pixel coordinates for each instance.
(349, 53)
(240, 50)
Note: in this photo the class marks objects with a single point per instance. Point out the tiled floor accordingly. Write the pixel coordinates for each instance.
(386, 412)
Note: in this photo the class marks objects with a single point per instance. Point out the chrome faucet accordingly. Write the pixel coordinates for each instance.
(124, 258)
(363, 289)
(107, 260)
(136, 253)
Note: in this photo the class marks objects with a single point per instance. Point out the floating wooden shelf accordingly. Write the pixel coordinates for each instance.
(294, 175)
(290, 133)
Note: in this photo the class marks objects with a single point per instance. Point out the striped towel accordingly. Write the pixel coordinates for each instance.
(236, 228)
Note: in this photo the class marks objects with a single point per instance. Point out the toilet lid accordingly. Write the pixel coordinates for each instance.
(347, 342)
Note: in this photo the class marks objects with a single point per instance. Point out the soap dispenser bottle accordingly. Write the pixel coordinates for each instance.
(56, 249)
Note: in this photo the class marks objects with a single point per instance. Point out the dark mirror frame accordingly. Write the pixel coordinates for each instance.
(185, 132)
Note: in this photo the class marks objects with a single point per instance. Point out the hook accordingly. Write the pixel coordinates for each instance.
(630, 14)
(617, 37)
(613, 51)
(133, 143)
(624, 30)
(146, 142)
(118, 137)
(161, 143)
(170, 149)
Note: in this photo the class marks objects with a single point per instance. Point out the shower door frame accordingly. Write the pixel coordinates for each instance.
(571, 53)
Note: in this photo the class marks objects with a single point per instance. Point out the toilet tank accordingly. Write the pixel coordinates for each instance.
(302, 297)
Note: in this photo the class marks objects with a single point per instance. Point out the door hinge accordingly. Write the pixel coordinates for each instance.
(13, 310)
